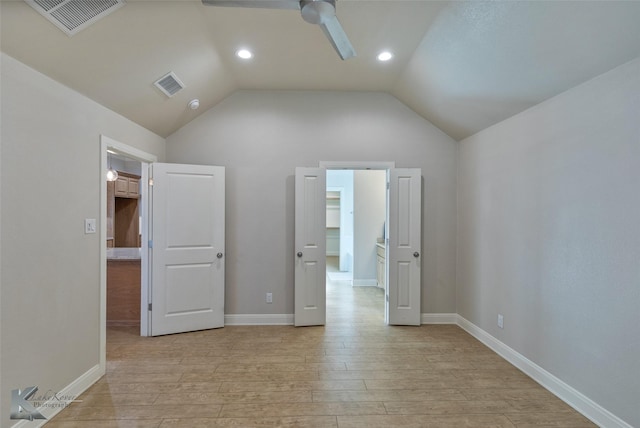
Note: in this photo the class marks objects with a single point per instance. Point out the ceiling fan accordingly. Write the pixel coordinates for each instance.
(321, 12)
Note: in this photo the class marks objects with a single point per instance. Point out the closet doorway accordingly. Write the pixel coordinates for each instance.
(402, 243)
(356, 208)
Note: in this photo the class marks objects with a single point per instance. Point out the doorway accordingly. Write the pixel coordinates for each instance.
(124, 226)
(402, 241)
(144, 158)
(356, 211)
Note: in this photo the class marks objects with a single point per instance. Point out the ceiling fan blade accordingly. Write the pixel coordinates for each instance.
(261, 4)
(338, 38)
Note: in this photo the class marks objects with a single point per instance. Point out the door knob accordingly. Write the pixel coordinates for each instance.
(416, 254)
(219, 255)
(299, 253)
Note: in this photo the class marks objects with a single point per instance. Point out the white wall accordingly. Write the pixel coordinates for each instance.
(261, 136)
(549, 236)
(50, 269)
(370, 206)
(122, 165)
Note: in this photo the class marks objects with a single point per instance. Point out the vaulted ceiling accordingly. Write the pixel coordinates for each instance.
(464, 66)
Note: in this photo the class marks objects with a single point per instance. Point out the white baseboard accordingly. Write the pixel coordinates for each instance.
(287, 319)
(365, 282)
(587, 407)
(54, 406)
(258, 319)
(439, 319)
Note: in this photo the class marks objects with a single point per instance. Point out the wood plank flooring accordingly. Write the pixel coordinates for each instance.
(354, 372)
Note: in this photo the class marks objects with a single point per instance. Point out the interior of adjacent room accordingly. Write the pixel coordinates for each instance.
(124, 234)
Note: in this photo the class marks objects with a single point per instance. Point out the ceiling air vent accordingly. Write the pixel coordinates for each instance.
(72, 16)
(169, 84)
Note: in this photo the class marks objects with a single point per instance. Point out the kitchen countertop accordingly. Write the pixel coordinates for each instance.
(123, 253)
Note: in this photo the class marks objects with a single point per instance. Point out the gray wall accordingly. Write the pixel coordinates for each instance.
(549, 236)
(122, 165)
(50, 166)
(260, 137)
(370, 207)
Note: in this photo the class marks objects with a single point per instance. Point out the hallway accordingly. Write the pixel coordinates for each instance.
(357, 307)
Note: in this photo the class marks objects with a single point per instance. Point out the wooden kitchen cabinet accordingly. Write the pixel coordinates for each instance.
(127, 185)
(122, 211)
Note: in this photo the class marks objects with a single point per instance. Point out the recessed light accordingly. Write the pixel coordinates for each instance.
(385, 56)
(244, 54)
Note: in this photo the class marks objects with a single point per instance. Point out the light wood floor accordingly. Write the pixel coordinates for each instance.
(354, 372)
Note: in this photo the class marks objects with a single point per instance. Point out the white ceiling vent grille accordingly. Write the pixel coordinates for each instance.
(169, 84)
(72, 16)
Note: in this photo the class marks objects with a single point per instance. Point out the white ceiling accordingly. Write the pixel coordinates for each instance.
(462, 65)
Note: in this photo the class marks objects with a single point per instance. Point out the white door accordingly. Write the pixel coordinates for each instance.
(404, 249)
(310, 243)
(187, 254)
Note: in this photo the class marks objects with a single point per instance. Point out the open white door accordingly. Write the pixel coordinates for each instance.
(187, 255)
(404, 249)
(310, 242)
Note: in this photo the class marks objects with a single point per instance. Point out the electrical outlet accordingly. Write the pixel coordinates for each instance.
(500, 321)
(269, 297)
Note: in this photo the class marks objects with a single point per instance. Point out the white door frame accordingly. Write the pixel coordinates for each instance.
(145, 158)
(356, 165)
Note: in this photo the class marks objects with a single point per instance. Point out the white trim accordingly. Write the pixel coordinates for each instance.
(258, 319)
(439, 319)
(365, 282)
(143, 157)
(74, 389)
(129, 151)
(356, 164)
(587, 407)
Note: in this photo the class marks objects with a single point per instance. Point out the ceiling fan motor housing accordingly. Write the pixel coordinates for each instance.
(317, 11)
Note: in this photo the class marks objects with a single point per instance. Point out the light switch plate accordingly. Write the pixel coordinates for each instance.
(89, 225)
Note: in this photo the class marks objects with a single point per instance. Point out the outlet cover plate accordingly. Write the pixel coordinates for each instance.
(89, 225)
